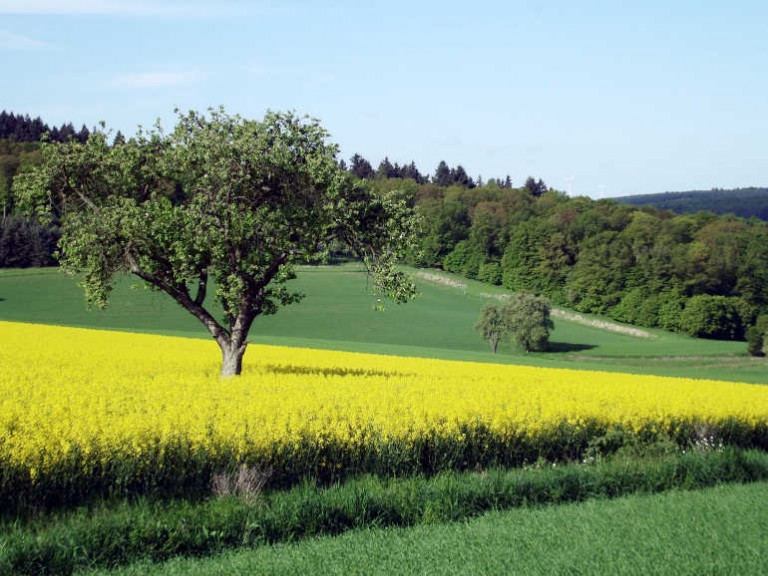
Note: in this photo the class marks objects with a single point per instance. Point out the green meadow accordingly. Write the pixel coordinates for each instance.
(719, 530)
(339, 312)
(598, 518)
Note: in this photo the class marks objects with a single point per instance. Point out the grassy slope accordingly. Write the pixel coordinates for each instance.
(673, 533)
(338, 313)
(714, 531)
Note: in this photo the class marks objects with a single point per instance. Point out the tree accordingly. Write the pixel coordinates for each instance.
(529, 316)
(25, 243)
(9, 165)
(386, 169)
(719, 317)
(756, 336)
(220, 200)
(412, 172)
(494, 325)
(524, 316)
(465, 259)
(535, 188)
(460, 176)
(443, 176)
(361, 168)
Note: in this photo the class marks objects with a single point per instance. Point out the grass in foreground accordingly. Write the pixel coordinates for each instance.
(120, 533)
(338, 313)
(103, 413)
(720, 530)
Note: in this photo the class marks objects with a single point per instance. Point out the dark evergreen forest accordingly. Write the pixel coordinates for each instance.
(22, 128)
(744, 202)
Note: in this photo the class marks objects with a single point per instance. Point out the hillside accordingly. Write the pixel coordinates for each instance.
(744, 202)
(338, 313)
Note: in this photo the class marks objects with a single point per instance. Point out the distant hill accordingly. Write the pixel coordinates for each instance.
(745, 202)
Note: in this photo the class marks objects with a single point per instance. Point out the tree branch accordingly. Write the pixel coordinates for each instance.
(219, 332)
(269, 274)
(202, 286)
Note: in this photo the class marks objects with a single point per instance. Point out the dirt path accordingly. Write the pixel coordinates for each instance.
(556, 312)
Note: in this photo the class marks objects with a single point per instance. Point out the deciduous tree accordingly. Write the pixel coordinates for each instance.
(220, 201)
(756, 336)
(493, 325)
(529, 316)
(523, 316)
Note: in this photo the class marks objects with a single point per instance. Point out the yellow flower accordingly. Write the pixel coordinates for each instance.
(108, 396)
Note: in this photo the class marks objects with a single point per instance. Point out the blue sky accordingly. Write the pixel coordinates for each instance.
(597, 98)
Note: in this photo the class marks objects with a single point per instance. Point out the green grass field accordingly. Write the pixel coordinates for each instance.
(719, 530)
(338, 313)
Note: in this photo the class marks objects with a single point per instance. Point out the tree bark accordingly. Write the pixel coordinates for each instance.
(234, 342)
(231, 358)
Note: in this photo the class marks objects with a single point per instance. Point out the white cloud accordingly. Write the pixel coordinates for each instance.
(68, 6)
(155, 79)
(11, 41)
(126, 7)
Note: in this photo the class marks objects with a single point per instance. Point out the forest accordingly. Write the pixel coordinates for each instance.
(701, 273)
(744, 202)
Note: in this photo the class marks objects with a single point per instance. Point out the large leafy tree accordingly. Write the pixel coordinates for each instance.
(530, 317)
(220, 202)
(523, 316)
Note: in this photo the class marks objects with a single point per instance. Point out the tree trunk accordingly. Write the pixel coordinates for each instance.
(233, 342)
(231, 358)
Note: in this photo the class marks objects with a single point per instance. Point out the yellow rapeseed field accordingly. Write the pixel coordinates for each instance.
(79, 402)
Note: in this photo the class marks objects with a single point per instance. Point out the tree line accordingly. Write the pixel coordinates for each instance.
(24, 242)
(444, 175)
(23, 128)
(20, 137)
(744, 202)
(699, 274)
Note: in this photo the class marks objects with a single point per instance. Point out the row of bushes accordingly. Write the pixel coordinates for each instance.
(109, 536)
(701, 316)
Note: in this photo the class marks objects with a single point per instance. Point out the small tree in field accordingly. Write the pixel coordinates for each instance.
(220, 200)
(493, 325)
(757, 336)
(529, 316)
(524, 316)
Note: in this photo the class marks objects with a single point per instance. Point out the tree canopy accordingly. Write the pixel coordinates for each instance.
(219, 201)
(637, 265)
(528, 315)
(493, 325)
(640, 265)
(524, 316)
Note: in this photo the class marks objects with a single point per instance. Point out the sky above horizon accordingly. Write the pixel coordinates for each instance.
(597, 98)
